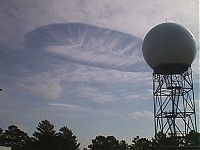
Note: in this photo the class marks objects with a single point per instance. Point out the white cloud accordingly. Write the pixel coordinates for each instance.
(96, 94)
(89, 45)
(130, 16)
(142, 114)
(82, 73)
(41, 86)
(93, 56)
(64, 106)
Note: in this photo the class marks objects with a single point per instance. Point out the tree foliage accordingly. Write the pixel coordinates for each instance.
(193, 139)
(1, 132)
(67, 140)
(123, 145)
(46, 138)
(15, 138)
(45, 130)
(141, 144)
(108, 143)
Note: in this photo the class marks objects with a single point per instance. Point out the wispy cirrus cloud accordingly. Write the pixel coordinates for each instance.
(142, 114)
(97, 94)
(41, 86)
(126, 16)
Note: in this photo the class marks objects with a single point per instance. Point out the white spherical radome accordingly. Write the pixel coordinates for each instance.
(169, 43)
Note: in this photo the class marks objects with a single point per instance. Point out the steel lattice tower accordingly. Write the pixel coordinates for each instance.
(174, 106)
(169, 49)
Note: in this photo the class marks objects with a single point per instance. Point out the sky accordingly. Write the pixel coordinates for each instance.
(79, 63)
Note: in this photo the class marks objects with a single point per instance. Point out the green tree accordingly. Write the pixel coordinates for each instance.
(123, 145)
(67, 141)
(45, 130)
(192, 139)
(106, 143)
(1, 132)
(141, 144)
(163, 141)
(15, 138)
(45, 136)
(98, 143)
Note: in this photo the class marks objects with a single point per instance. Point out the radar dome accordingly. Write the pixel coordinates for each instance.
(169, 48)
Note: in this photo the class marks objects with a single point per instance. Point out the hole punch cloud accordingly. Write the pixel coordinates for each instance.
(89, 45)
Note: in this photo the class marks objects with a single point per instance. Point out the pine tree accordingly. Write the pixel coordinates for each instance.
(67, 140)
(45, 137)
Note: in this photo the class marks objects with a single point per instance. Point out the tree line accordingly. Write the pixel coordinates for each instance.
(46, 138)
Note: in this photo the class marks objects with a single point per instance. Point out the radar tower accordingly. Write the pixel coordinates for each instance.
(169, 49)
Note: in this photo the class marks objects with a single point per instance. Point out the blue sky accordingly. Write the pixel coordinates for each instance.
(79, 63)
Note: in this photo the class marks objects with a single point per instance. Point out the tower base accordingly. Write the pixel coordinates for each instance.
(174, 106)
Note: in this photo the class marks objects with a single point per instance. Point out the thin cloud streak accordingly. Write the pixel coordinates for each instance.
(68, 107)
